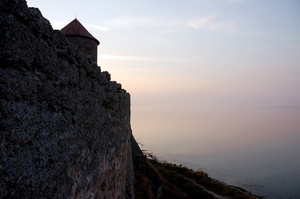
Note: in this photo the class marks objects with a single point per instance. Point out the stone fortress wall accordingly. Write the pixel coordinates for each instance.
(64, 126)
(86, 45)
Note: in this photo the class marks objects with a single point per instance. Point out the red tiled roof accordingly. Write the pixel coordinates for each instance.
(75, 28)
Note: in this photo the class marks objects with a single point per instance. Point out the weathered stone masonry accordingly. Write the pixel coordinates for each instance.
(64, 126)
(81, 38)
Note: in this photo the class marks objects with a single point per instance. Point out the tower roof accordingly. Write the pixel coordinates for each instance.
(75, 28)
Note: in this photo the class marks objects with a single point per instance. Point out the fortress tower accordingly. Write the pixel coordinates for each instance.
(81, 38)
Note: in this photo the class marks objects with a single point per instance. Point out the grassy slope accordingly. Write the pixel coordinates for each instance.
(181, 182)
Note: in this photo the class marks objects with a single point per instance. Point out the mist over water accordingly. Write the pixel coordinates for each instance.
(255, 147)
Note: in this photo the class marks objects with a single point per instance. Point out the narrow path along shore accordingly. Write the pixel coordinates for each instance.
(208, 191)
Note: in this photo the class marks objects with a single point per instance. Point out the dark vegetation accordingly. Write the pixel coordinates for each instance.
(188, 182)
(175, 183)
(157, 179)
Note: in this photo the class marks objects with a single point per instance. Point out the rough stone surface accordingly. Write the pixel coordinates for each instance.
(85, 45)
(65, 127)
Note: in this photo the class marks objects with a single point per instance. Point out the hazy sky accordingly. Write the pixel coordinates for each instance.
(178, 58)
(179, 52)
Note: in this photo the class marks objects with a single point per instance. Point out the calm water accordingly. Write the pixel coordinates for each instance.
(256, 147)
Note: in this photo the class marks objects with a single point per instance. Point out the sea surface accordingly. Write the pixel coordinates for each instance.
(255, 147)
